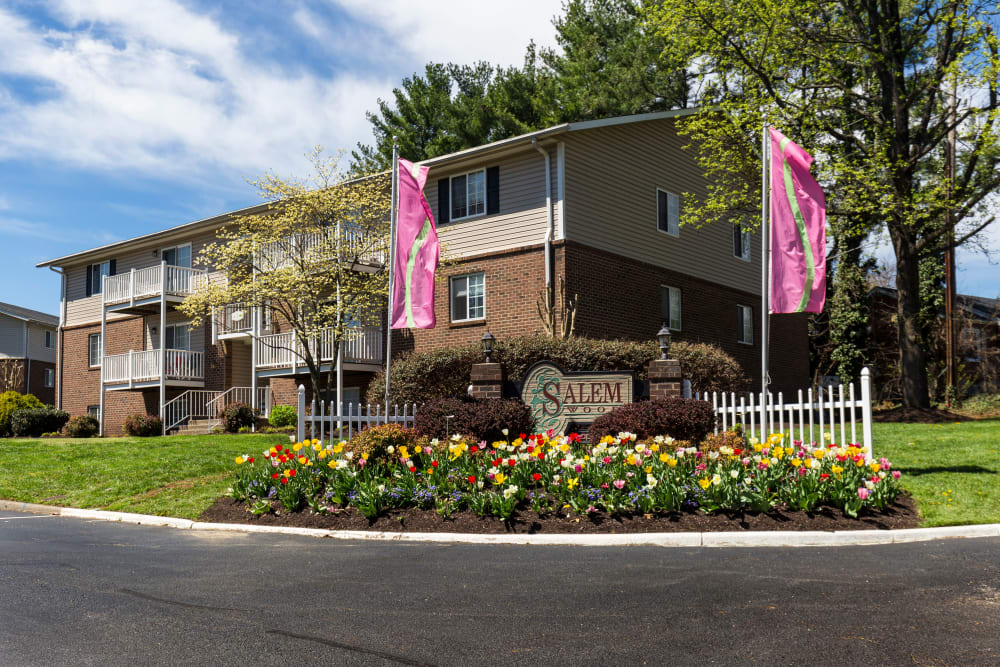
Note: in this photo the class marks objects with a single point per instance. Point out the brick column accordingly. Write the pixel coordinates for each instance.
(664, 379)
(487, 381)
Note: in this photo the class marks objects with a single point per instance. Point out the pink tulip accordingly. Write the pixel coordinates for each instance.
(895, 474)
(619, 483)
(863, 493)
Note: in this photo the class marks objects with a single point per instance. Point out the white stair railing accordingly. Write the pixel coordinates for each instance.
(208, 403)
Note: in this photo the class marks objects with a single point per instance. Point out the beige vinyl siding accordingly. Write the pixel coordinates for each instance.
(81, 309)
(11, 338)
(36, 343)
(521, 220)
(151, 342)
(612, 174)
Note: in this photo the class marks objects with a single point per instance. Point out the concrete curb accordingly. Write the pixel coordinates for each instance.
(732, 539)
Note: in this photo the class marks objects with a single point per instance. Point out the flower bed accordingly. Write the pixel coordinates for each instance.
(393, 468)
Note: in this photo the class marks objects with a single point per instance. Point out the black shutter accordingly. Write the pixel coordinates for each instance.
(444, 203)
(111, 268)
(90, 279)
(492, 190)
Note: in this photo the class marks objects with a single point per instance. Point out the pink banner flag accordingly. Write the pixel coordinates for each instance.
(417, 250)
(798, 230)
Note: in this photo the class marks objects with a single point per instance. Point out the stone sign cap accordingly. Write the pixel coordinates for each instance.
(557, 398)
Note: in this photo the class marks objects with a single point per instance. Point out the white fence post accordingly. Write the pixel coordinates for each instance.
(866, 411)
(300, 429)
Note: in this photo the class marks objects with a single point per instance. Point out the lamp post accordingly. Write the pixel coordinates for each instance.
(663, 337)
(488, 346)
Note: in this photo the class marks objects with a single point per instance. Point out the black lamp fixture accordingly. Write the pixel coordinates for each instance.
(663, 337)
(488, 346)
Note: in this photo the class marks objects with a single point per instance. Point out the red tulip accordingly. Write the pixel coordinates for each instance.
(536, 476)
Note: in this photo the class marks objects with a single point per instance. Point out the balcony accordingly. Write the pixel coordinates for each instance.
(137, 370)
(362, 349)
(142, 288)
(234, 321)
(278, 254)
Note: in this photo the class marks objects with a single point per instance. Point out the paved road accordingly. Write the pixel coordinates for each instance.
(75, 592)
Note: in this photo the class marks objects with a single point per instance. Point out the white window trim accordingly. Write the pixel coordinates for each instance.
(677, 232)
(100, 282)
(746, 245)
(100, 351)
(98, 416)
(177, 247)
(740, 334)
(680, 308)
(451, 315)
(50, 336)
(49, 373)
(451, 202)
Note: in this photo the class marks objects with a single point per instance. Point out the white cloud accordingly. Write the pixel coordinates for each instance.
(167, 91)
(462, 32)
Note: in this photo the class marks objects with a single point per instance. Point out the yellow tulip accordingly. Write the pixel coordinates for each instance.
(572, 482)
(239, 460)
(302, 459)
(499, 478)
(664, 458)
(705, 482)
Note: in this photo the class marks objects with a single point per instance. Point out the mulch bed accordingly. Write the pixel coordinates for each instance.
(903, 514)
(918, 416)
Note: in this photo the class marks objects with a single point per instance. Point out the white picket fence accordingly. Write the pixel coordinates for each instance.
(818, 415)
(327, 423)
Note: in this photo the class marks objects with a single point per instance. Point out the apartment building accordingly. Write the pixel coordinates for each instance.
(28, 353)
(594, 206)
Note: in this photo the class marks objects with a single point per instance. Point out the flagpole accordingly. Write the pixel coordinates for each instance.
(392, 268)
(765, 257)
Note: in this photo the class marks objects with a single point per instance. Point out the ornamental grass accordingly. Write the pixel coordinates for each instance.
(548, 474)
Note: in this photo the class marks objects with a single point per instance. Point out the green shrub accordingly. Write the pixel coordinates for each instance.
(11, 402)
(236, 416)
(143, 426)
(680, 418)
(83, 426)
(375, 442)
(33, 422)
(282, 416)
(430, 418)
(476, 420)
(420, 377)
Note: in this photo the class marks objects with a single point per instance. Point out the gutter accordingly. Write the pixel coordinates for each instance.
(550, 223)
(59, 335)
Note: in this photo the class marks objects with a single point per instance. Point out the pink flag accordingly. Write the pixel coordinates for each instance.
(798, 230)
(417, 250)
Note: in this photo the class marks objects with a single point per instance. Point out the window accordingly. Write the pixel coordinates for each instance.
(94, 411)
(668, 212)
(745, 332)
(95, 273)
(95, 349)
(50, 377)
(741, 243)
(670, 306)
(177, 256)
(468, 297)
(50, 339)
(178, 337)
(468, 195)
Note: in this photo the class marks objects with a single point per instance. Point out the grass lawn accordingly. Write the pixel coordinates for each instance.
(952, 470)
(172, 476)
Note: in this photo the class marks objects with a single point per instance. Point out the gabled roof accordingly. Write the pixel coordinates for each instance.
(28, 315)
(476, 151)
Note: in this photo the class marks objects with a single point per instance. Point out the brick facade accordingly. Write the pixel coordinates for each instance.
(30, 378)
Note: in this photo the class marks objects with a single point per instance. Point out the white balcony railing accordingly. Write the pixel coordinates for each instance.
(353, 244)
(235, 318)
(150, 282)
(362, 345)
(144, 366)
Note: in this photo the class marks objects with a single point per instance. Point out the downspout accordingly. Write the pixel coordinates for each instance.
(548, 215)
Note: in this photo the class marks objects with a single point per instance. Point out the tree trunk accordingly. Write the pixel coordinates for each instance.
(912, 355)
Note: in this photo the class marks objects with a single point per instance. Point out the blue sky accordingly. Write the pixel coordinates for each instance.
(120, 118)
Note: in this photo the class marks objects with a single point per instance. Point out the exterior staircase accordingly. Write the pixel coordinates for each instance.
(196, 427)
(195, 412)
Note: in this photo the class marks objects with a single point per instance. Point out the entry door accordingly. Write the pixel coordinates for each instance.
(178, 256)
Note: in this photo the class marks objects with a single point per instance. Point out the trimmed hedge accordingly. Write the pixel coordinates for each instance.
(83, 426)
(680, 418)
(283, 416)
(421, 377)
(32, 422)
(142, 426)
(11, 402)
(477, 420)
